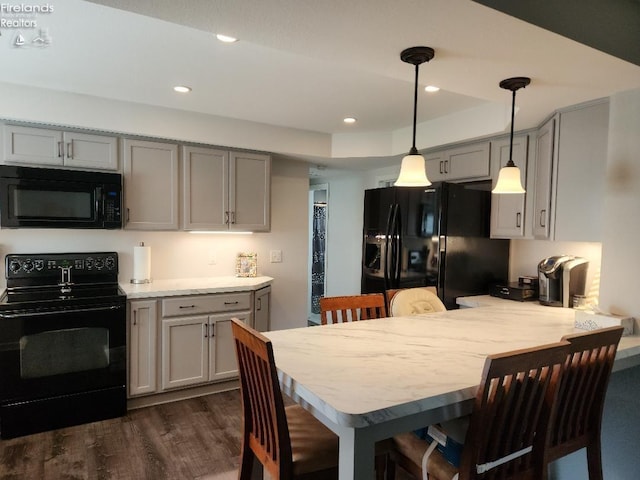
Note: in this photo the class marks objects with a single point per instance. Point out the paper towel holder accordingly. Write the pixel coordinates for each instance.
(142, 280)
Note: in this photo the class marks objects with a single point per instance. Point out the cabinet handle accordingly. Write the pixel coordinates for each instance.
(213, 330)
(70, 150)
(205, 327)
(233, 217)
(446, 166)
(226, 218)
(127, 218)
(60, 152)
(231, 303)
(543, 215)
(518, 219)
(259, 305)
(135, 321)
(441, 162)
(187, 306)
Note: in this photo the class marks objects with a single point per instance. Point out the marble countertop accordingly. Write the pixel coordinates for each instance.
(489, 301)
(367, 372)
(194, 286)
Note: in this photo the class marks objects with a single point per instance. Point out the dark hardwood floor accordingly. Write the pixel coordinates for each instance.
(197, 438)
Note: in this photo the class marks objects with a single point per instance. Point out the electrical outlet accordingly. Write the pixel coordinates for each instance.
(275, 256)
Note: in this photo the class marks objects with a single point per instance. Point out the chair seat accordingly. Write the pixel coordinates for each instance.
(313, 446)
(413, 448)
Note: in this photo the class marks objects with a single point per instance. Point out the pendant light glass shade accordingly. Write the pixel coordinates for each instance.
(509, 177)
(413, 172)
(509, 181)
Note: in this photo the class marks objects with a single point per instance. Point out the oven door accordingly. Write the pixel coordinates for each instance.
(53, 353)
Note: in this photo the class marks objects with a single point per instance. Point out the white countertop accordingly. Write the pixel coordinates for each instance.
(194, 286)
(361, 373)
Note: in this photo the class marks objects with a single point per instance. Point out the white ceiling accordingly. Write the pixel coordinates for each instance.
(306, 64)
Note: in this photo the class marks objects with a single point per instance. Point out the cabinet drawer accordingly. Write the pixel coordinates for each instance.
(189, 305)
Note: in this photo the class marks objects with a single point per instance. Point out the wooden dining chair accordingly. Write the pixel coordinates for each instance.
(508, 426)
(288, 441)
(352, 308)
(413, 301)
(581, 396)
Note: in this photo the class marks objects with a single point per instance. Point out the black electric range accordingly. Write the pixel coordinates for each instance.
(62, 341)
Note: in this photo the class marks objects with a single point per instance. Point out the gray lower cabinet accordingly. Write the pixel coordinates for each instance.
(262, 309)
(179, 342)
(197, 344)
(143, 321)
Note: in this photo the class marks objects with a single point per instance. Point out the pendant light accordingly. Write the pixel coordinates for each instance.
(509, 176)
(412, 169)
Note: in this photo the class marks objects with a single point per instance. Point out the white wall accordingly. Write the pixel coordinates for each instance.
(83, 111)
(344, 234)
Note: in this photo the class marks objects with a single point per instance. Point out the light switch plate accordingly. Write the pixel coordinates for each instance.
(275, 256)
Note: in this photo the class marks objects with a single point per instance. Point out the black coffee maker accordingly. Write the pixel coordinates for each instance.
(560, 278)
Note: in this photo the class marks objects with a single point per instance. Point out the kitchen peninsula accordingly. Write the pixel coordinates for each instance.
(385, 376)
(179, 335)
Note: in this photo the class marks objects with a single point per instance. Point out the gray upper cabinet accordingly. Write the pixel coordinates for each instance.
(205, 188)
(570, 174)
(45, 147)
(249, 192)
(544, 163)
(150, 185)
(467, 162)
(508, 211)
(581, 172)
(226, 190)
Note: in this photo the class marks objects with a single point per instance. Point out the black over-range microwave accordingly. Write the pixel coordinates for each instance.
(59, 198)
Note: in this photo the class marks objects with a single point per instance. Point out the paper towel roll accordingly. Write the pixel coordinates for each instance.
(141, 264)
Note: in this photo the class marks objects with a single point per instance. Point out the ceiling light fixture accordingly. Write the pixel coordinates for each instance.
(509, 177)
(431, 89)
(226, 38)
(412, 170)
(350, 120)
(182, 89)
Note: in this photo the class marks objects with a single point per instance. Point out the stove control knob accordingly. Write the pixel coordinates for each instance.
(39, 264)
(27, 265)
(110, 263)
(14, 266)
(99, 263)
(88, 263)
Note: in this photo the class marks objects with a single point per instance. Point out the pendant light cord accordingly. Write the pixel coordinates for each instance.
(513, 110)
(414, 151)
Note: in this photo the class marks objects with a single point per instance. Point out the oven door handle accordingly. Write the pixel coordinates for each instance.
(58, 312)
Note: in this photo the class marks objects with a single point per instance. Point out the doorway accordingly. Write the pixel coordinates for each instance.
(318, 231)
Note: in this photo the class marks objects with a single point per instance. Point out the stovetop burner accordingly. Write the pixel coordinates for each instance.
(61, 280)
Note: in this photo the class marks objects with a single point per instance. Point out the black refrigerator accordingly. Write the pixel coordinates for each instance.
(432, 236)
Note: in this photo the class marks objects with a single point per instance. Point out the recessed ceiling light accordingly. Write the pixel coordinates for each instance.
(431, 88)
(182, 89)
(226, 38)
(350, 120)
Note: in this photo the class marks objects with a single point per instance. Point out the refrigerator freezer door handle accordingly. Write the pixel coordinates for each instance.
(386, 246)
(398, 244)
